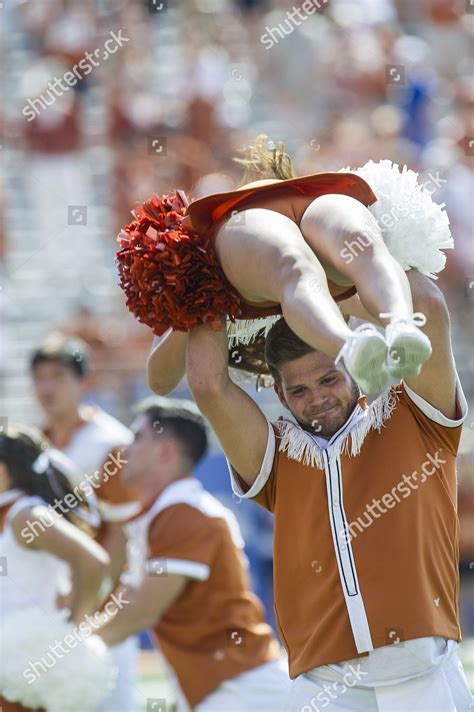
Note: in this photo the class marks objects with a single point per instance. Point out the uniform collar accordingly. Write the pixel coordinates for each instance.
(357, 414)
(310, 449)
(360, 410)
(170, 492)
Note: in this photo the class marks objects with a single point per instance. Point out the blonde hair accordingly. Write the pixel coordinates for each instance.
(264, 160)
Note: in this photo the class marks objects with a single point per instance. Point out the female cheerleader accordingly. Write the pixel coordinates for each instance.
(49, 560)
(293, 246)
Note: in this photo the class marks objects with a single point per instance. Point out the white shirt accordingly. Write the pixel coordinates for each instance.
(33, 577)
(91, 443)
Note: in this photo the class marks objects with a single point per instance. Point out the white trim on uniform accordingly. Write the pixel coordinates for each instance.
(191, 569)
(184, 491)
(265, 470)
(344, 555)
(119, 512)
(436, 415)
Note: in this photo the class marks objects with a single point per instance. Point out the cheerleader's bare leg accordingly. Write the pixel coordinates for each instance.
(345, 235)
(348, 240)
(265, 257)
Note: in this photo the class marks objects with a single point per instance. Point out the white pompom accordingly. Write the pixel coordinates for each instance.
(59, 679)
(414, 227)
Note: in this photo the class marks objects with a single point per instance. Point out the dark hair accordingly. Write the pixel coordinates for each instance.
(63, 349)
(38, 469)
(282, 345)
(182, 420)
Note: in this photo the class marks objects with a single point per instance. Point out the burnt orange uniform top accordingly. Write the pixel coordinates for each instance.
(289, 197)
(215, 630)
(366, 529)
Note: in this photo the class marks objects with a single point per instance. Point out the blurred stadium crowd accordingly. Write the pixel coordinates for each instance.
(167, 94)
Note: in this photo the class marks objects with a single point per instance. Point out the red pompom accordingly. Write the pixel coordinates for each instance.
(170, 273)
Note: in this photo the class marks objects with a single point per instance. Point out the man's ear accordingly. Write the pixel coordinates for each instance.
(280, 395)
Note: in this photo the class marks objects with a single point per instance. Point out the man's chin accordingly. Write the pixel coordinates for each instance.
(327, 427)
(326, 432)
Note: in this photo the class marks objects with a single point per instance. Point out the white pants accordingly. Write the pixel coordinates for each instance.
(364, 684)
(123, 697)
(264, 688)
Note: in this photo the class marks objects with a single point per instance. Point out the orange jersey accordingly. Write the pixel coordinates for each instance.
(215, 630)
(366, 529)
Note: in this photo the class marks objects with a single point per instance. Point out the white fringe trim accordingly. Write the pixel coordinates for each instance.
(299, 444)
(244, 331)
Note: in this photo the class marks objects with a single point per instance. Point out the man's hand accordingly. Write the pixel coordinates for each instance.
(238, 422)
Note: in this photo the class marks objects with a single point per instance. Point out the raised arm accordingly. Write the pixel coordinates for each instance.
(238, 422)
(140, 608)
(437, 380)
(167, 362)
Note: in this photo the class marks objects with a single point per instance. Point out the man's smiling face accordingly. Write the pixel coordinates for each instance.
(319, 395)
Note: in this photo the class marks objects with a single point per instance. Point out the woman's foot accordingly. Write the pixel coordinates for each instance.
(408, 347)
(365, 356)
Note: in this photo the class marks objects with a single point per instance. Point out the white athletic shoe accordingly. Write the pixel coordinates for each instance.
(365, 356)
(408, 347)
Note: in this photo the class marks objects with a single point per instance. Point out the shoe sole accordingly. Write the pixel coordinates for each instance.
(407, 355)
(372, 375)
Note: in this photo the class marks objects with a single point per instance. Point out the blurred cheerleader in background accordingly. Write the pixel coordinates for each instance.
(53, 572)
(294, 246)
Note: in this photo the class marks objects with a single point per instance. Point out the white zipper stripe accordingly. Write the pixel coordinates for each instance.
(338, 526)
(344, 556)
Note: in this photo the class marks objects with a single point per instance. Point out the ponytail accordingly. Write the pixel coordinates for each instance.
(40, 470)
(265, 161)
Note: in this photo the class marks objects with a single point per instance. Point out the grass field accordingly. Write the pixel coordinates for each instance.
(155, 695)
